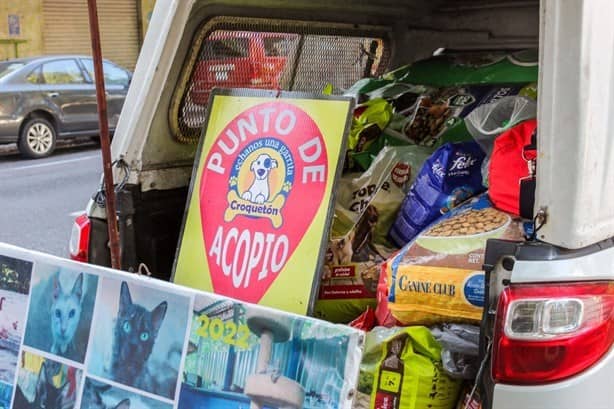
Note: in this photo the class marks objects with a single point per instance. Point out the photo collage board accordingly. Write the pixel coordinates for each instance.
(75, 335)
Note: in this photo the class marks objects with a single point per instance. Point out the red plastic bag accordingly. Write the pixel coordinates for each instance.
(511, 171)
(365, 321)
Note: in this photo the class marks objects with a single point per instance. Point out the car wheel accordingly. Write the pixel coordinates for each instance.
(37, 138)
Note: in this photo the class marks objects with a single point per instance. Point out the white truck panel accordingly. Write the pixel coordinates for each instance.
(597, 266)
(575, 168)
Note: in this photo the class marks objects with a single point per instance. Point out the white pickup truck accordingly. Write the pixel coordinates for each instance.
(548, 326)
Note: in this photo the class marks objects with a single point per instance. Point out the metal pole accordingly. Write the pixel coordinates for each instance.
(105, 143)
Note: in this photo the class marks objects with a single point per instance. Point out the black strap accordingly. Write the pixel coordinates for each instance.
(527, 186)
(533, 145)
(527, 197)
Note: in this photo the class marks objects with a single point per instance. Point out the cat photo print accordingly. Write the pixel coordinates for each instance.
(45, 383)
(99, 395)
(15, 278)
(139, 336)
(60, 314)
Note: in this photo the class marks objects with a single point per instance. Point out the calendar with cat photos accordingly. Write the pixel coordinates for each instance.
(75, 335)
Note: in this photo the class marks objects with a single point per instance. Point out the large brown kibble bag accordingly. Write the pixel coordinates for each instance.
(437, 277)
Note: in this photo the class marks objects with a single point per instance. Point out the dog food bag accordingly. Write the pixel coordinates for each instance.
(437, 278)
(365, 208)
(369, 119)
(366, 85)
(451, 175)
(440, 114)
(373, 114)
(471, 68)
(402, 369)
(383, 186)
(452, 86)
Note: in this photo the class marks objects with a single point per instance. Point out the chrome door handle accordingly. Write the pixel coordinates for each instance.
(53, 94)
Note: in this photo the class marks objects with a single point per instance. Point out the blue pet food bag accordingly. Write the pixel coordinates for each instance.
(449, 176)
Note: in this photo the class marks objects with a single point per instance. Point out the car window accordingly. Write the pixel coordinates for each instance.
(34, 76)
(62, 72)
(278, 46)
(226, 48)
(293, 61)
(113, 75)
(8, 67)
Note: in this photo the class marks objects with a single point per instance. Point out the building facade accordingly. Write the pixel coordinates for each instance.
(37, 27)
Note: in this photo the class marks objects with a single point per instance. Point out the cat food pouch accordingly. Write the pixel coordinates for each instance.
(438, 278)
(451, 175)
(365, 208)
(402, 369)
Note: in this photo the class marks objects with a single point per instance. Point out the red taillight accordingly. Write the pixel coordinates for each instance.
(549, 332)
(80, 239)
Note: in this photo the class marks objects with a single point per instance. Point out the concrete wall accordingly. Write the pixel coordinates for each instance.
(29, 13)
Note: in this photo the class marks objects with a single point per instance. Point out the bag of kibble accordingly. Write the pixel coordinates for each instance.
(448, 177)
(365, 207)
(401, 369)
(437, 277)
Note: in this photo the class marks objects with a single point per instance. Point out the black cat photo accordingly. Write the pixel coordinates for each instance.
(137, 330)
(93, 397)
(99, 395)
(38, 386)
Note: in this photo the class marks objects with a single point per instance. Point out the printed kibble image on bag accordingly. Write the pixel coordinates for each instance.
(437, 277)
(365, 208)
(402, 369)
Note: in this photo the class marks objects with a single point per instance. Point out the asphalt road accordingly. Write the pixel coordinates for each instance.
(40, 198)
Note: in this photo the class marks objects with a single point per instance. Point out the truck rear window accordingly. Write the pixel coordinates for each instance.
(290, 61)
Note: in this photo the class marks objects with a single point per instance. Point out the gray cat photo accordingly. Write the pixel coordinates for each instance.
(139, 336)
(61, 309)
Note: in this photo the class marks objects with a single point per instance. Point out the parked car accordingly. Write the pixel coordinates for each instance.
(43, 99)
(241, 59)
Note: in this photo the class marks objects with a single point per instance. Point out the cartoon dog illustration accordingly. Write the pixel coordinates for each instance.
(258, 192)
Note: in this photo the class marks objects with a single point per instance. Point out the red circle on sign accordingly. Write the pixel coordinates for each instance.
(262, 184)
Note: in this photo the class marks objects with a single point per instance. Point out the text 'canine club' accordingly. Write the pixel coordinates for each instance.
(258, 173)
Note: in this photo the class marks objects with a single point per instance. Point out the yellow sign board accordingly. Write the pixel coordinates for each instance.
(260, 206)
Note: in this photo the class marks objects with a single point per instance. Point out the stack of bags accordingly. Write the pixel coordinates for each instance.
(435, 155)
